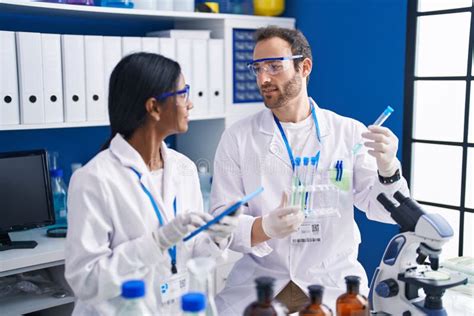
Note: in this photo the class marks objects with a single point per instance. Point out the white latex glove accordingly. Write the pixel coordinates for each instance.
(170, 234)
(282, 221)
(384, 146)
(222, 231)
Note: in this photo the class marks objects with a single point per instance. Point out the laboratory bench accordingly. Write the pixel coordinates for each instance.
(48, 255)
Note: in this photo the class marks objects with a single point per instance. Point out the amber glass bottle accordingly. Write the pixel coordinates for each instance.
(352, 303)
(265, 305)
(316, 307)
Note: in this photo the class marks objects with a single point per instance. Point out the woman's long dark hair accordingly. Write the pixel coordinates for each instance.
(135, 79)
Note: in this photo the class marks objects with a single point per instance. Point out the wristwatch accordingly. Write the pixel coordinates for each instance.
(392, 179)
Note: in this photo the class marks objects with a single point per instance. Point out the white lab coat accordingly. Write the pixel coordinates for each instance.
(111, 221)
(251, 153)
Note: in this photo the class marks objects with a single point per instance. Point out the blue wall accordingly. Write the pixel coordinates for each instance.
(72, 144)
(359, 58)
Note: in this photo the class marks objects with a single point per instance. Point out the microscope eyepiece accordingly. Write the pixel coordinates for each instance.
(384, 200)
(399, 197)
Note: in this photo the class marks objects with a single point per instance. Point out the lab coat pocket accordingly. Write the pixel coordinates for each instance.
(341, 179)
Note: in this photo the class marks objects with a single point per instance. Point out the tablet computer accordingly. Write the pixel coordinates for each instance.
(229, 211)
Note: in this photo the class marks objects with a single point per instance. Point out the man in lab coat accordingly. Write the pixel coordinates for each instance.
(262, 150)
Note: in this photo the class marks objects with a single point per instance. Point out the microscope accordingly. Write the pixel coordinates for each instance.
(404, 270)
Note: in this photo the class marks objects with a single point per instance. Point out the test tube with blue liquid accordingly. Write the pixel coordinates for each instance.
(304, 183)
(378, 122)
(295, 181)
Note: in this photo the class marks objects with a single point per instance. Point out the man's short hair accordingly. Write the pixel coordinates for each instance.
(298, 42)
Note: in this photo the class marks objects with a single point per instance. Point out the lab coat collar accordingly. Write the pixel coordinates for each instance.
(268, 126)
(267, 123)
(129, 157)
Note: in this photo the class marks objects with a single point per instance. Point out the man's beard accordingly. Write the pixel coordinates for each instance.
(290, 90)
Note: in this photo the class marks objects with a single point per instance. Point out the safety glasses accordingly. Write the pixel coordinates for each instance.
(182, 94)
(272, 66)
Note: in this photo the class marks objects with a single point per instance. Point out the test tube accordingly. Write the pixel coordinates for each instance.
(378, 122)
(304, 184)
(295, 181)
(309, 200)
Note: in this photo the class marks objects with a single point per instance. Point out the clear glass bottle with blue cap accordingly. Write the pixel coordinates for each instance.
(201, 272)
(193, 304)
(133, 295)
(59, 190)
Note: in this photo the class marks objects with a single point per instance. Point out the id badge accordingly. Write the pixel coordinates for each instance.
(172, 290)
(308, 232)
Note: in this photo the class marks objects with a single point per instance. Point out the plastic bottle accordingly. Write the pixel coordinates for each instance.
(205, 182)
(201, 272)
(59, 191)
(265, 305)
(352, 303)
(53, 157)
(193, 304)
(316, 307)
(133, 294)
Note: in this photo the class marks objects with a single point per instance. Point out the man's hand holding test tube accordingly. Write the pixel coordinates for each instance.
(382, 144)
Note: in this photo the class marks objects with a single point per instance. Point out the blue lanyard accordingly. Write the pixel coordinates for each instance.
(172, 250)
(285, 139)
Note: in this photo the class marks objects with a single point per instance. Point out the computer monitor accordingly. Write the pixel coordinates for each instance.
(26, 199)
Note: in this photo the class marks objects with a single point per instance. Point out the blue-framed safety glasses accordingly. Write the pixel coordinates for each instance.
(183, 93)
(272, 66)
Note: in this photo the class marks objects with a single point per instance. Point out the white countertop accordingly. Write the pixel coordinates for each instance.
(48, 252)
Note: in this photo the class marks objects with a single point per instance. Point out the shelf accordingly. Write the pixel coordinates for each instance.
(51, 125)
(88, 124)
(45, 9)
(28, 303)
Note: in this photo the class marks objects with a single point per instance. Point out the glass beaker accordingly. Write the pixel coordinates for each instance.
(201, 279)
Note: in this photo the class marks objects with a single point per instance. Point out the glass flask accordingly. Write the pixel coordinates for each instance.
(201, 279)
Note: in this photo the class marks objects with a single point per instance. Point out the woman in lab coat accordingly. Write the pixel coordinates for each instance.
(132, 204)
